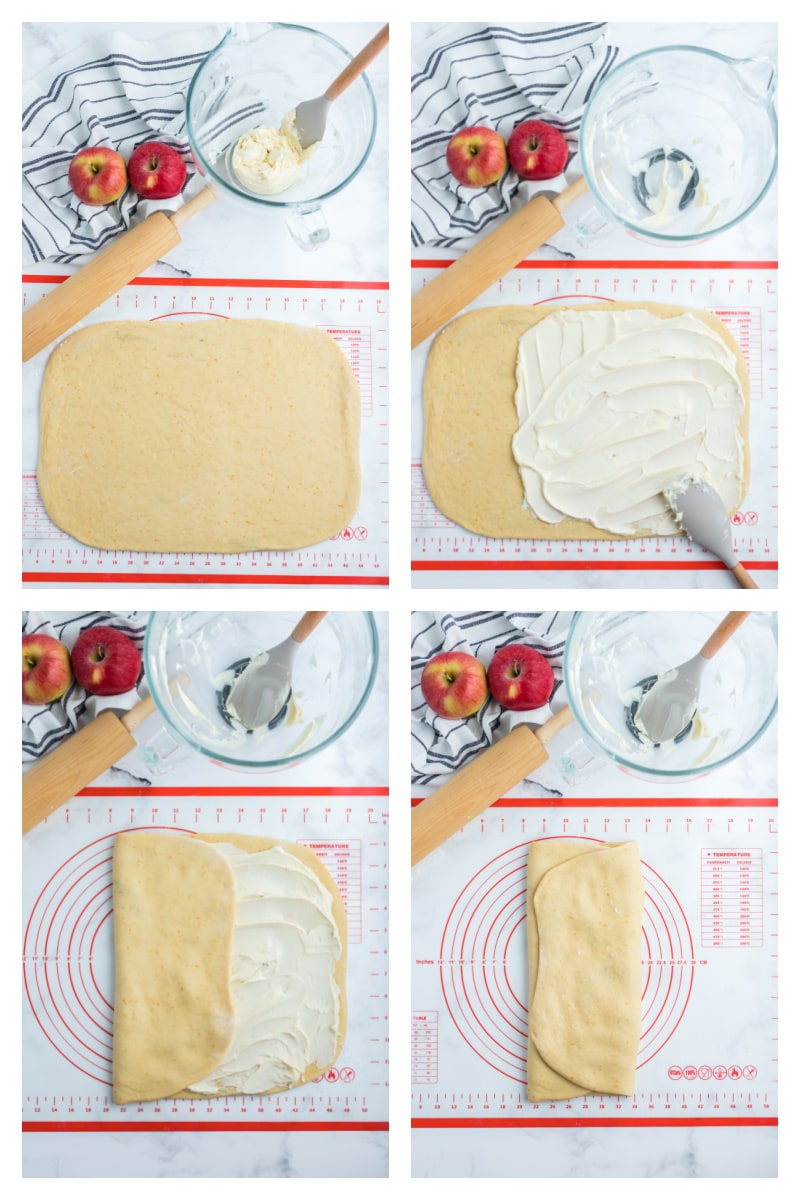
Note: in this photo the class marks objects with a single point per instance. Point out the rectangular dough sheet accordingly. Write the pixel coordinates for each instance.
(199, 436)
(174, 912)
(471, 417)
(584, 926)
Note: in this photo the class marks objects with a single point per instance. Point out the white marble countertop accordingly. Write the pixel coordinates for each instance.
(357, 759)
(753, 240)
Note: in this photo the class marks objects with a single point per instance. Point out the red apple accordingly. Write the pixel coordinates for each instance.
(105, 661)
(537, 150)
(476, 156)
(97, 175)
(454, 684)
(520, 677)
(156, 171)
(45, 668)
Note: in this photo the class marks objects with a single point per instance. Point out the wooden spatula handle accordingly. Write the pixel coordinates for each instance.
(359, 64)
(482, 265)
(474, 788)
(743, 576)
(121, 262)
(306, 625)
(724, 630)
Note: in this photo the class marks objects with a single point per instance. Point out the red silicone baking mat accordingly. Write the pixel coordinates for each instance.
(708, 1049)
(354, 314)
(68, 956)
(744, 296)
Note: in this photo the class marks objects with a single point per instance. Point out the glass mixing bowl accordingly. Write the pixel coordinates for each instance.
(608, 653)
(679, 143)
(188, 658)
(249, 81)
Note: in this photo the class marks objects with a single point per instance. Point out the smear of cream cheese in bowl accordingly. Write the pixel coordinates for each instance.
(197, 652)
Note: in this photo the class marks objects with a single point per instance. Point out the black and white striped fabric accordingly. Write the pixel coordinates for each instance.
(115, 91)
(496, 76)
(45, 726)
(439, 746)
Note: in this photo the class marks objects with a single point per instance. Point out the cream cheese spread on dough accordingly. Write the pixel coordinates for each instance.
(615, 406)
(286, 1000)
(268, 160)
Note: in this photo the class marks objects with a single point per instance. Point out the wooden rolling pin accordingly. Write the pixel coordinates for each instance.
(485, 263)
(73, 765)
(476, 787)
(113, 267)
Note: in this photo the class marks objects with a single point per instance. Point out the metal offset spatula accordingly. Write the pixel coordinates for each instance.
(262, 686)
(699, 511)
(311, 116)
(666, 708)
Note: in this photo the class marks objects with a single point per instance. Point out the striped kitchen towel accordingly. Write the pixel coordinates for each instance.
(115, 91)
(496, 76)
(439, 746)
(45, 726)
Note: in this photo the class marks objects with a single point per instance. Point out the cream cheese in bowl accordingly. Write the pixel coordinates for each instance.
(609, 654)
(190, 656)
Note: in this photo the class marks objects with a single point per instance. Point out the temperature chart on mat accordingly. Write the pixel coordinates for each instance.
(708, 1042)
(68, 949)
(744, 297)
(355, 315)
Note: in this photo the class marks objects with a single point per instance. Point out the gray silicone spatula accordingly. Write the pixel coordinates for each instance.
(669, 703)
(311, 116)
(699, 511)
(260, 692)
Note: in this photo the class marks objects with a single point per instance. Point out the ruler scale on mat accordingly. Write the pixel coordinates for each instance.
(744, 296)
(68, 956)
(356, 317)
(708, 1048)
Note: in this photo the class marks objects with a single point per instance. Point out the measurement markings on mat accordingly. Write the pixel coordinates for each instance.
(743, 296)
(68, 957)
(355, 316)
(697, 1057)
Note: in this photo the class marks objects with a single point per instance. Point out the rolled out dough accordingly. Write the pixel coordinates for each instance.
(471, 417)
(174, 915)
(206, 436)
(584, 925)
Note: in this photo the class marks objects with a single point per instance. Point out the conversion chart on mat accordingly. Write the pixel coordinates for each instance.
(355, 315)
(744, 297)
(68, 977)
(709, 965)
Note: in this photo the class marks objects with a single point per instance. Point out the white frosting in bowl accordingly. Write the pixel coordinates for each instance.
(614, 406)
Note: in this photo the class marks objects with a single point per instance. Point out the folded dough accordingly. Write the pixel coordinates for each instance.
(584, 909)
(207, 991)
